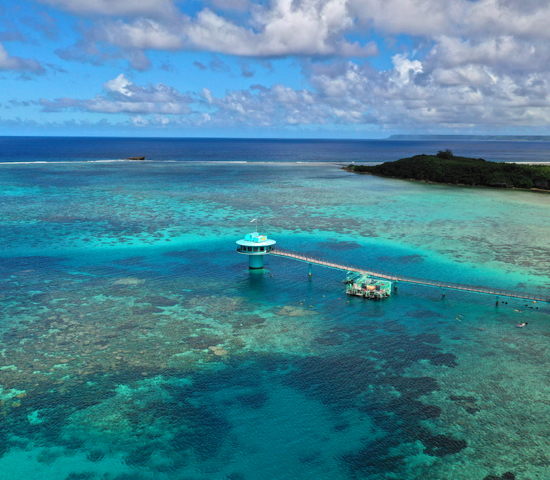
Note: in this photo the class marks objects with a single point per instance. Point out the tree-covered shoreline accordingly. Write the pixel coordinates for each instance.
(450, 169)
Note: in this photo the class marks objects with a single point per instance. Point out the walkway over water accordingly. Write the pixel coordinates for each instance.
(401, 278)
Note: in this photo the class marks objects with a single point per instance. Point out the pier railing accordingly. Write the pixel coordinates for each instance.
(402, 278)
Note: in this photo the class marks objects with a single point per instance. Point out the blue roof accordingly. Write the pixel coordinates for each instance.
(254, 239)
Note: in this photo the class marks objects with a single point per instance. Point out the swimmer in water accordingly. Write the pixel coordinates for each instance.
(522, 324)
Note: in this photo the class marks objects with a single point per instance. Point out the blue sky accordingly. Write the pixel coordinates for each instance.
(274, 68)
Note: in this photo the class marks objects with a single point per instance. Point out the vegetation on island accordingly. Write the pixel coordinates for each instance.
(444, 167)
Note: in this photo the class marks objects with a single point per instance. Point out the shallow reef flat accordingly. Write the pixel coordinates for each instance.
(135, 342)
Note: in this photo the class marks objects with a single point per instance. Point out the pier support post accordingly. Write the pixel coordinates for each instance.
(443, 293)
(310, 269)
(496, 301)
(395, 287)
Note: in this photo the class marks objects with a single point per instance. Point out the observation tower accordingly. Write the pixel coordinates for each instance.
(255, 246)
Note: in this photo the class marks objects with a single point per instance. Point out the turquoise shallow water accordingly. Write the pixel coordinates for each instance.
(137, 344)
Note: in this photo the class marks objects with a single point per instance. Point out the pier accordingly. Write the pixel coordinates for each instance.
(401, 278)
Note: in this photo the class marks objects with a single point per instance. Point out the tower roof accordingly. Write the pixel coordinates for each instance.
(254, 239)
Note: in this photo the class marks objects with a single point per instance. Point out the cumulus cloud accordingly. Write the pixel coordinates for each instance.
(308, 27)
(143, 34)
(504, 53)
(280, 28)
(440, 98)
(345, 93)
(454, 17)
(19, 64)
(286, 27)
(406, 96)
(113, 7)
(471, 62)
(121, 95)
(263, 107)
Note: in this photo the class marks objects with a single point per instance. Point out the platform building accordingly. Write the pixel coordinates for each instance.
(367, 287)
(255, 246)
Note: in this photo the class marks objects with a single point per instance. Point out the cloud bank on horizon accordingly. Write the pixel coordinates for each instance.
(275, 67)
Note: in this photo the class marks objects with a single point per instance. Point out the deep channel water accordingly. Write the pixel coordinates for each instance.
(135, 342)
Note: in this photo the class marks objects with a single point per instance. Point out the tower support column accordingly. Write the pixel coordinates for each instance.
(255, 261)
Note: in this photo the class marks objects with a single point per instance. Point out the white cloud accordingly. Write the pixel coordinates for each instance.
(286, 27)
(18, 64)
(472, 75)
(139, 121)
(281, 28)
(120, 85)
(500, 34)
(348, 94)
(142, 34)
(404, 69)
(440, 98)
(413, 17)
(123, 96)
(307, 27)
(505, 53)
(113, 7)
(454, 17)
(483, 61)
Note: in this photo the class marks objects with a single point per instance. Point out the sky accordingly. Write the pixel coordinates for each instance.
(274, 68)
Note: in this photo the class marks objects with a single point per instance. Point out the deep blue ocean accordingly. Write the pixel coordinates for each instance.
(135, 343)
(32, 149)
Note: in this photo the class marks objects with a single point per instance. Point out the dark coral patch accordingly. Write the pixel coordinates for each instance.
(504, 476)
(95, 455)
(424, 314)
(404, 259)
(235, 476)
(159, 301)
(444, 359)
(130, 261)
(247, 321)
(413, 410)
(439, 445)
(139, 456)
(329, 340)
(206, 435)
(339, 246)
(413, 387)
(177, 254)
(336, 381)
(467, 402)
(80, 476)
(340, 427)
(253, 400)
(428, 338)
(374, 458)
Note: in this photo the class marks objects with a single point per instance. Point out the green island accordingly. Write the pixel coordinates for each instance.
(444, 167)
